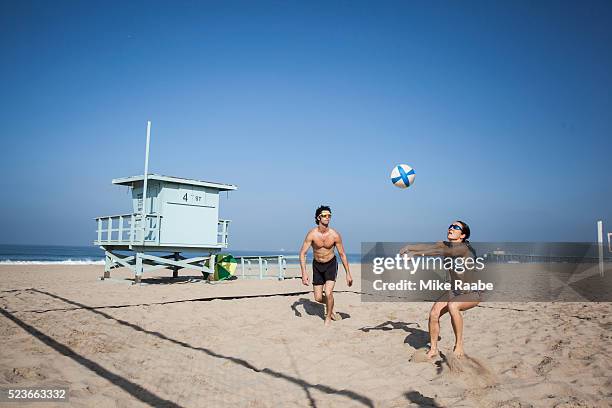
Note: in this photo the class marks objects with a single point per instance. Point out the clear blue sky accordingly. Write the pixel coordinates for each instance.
(503, 108)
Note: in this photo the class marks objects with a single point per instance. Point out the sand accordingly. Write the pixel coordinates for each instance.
(251, 343)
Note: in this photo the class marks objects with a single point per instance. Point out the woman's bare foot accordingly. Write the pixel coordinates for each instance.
(327, 321)
(433, 352)
(458, 351)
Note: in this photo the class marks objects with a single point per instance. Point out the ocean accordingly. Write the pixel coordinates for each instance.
(51, 254)
(93, 255)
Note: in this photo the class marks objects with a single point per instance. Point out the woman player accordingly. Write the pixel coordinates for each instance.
(455, 301)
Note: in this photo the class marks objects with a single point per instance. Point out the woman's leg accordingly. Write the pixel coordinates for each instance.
(455, 306)
(437, 310)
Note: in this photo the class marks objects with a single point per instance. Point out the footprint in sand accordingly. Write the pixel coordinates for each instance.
(545, 366)
(420, 356)
(473, 371)
(573, 403)
(581, 354)
(23, 373)
(559, 345)
(514, 403)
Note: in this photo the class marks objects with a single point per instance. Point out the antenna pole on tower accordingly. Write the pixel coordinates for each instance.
(144, 188)
(600, 247)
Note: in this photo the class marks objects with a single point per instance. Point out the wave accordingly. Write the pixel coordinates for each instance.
(63, 262)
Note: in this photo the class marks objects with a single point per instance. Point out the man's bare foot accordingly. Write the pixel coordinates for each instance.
(327, 322)
(458, 351)
(433, 352)
(335, 316)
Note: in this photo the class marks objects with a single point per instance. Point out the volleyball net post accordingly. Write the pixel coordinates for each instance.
(600, 246)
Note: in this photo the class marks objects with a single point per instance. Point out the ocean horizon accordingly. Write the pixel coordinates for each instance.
(92, 255)
(21, 254)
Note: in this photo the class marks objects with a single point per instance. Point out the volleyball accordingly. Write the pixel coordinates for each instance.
(402, 176)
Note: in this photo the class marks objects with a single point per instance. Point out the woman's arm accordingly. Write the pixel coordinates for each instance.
(437, 249)
(424, 249)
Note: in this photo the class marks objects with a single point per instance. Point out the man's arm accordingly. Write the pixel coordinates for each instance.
(307, 243)
(340, 247)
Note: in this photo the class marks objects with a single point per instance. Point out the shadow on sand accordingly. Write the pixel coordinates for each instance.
(313, 309)
(170, 280)
(135, 390)
(150, 398)
(421, 400)
(416, 338)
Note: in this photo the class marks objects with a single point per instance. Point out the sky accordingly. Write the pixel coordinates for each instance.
(503, 109)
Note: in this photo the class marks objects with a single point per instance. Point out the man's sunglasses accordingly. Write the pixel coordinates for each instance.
(325, 215)
(455, 227)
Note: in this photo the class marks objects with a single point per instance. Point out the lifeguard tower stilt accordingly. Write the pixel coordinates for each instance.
(170, 216)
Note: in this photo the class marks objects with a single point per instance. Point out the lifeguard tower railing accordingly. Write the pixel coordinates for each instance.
(129, 230)
(268, 267)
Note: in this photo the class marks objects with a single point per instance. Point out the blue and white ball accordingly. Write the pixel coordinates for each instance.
(402, 176)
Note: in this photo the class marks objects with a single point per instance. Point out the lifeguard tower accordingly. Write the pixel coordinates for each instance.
(179, 216)
(176, 216)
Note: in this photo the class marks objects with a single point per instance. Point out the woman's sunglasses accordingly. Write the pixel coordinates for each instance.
(455, 227)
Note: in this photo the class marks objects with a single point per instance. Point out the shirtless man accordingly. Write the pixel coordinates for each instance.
(324, 265)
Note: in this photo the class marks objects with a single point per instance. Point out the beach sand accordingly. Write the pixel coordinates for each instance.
(251, 343)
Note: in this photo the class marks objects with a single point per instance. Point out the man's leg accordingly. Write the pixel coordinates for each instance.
(318, 293)
(329, 300)
(455, 306)
(437, 310)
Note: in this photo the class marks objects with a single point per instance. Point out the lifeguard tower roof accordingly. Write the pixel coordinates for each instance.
(130, 181)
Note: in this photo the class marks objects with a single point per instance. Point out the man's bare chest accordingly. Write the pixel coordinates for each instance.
(324, 241)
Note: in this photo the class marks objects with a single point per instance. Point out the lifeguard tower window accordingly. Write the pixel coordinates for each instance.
(180, 215)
